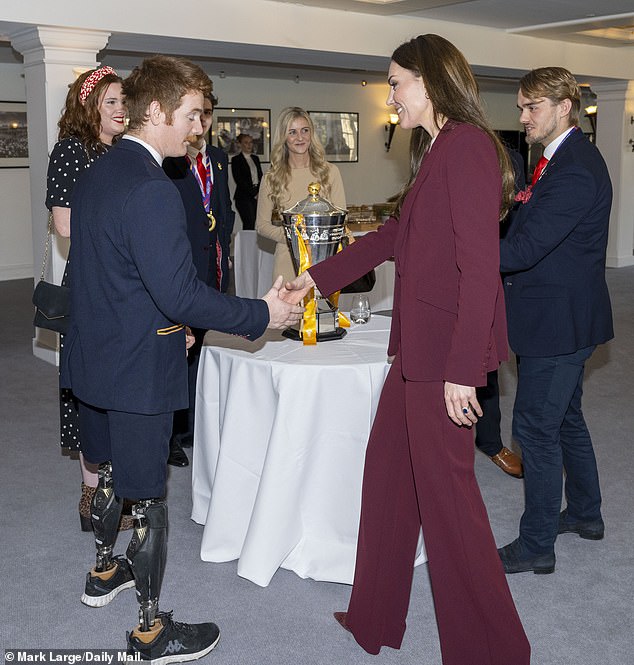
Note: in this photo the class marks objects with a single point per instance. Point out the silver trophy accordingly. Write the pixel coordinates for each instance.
(314, 229)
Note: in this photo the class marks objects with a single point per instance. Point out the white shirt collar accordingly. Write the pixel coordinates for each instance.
(550, 149)
(153, 151)
(193, 151)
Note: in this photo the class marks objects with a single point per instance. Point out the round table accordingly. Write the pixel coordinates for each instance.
(279, 445)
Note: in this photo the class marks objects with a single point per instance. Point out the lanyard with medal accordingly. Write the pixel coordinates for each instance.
(205, 189)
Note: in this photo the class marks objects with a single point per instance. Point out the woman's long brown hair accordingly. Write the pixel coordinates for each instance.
(454, 95)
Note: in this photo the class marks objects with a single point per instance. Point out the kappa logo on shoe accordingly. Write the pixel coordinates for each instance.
(173, 646)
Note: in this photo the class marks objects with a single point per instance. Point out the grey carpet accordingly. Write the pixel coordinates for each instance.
(580, 615)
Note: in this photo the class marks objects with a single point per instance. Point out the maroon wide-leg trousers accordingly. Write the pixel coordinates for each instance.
(419, 471)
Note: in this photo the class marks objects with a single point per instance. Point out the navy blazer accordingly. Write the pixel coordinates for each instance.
(554, 255)
(202, 240)
(134, 285)
(245, 188)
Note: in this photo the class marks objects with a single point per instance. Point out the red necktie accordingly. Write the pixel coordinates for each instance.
(541, 164)
(202, 170)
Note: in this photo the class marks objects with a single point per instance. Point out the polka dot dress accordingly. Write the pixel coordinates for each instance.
(67, 161)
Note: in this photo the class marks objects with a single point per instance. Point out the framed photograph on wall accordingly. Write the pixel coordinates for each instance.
(14, 147)
(229, 123)
(338, 133)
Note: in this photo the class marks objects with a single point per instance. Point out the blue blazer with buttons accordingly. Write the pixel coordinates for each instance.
(202, 240)
(553, 256)
(134, 286)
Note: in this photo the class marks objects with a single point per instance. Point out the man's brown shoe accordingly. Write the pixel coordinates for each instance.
(509, 462)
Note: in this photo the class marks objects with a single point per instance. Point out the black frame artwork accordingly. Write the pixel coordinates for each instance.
(14, 146)
(338, 132)
(228, 123)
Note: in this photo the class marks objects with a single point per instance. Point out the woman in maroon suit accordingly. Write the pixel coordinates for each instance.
(448, 331)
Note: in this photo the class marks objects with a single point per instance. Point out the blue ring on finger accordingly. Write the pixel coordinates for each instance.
(465, 411)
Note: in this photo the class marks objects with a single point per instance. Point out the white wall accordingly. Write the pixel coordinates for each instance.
(16, 253)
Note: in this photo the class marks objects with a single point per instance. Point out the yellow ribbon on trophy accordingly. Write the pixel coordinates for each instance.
(308, 326)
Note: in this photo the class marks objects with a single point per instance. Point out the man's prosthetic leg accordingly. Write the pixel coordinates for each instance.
(105, 512)
(146, 553)
(110, 574)
(158, 636)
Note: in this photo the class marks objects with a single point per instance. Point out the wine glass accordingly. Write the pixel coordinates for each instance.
(360, 308)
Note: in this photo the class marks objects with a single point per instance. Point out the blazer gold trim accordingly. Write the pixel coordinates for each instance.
(170, 330)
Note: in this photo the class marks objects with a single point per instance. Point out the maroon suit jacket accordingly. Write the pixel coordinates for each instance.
(448, 320)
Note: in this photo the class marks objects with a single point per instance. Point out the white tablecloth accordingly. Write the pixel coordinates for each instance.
(253, 271)
(279, 445)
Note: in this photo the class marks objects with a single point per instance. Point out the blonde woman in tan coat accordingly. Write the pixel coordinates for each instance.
(297, 159)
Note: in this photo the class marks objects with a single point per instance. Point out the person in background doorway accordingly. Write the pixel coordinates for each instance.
(247, 174)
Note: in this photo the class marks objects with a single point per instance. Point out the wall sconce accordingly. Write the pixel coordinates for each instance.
(389, 130)
(631, 141)
(591, 114)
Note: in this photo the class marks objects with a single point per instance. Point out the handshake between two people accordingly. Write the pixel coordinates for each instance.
(284, 300)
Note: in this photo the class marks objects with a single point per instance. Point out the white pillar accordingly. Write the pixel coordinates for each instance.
(53, 57)
(614, 130)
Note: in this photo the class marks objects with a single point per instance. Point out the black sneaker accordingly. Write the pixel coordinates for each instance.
(176, 642)
(100, 592)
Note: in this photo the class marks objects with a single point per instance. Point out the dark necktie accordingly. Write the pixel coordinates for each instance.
(541, 165)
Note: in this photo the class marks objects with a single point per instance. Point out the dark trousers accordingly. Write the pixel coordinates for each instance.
(549, 426)
(184, 418)
(135, 443)
(247, 209)
(419, 471)
(488, 437)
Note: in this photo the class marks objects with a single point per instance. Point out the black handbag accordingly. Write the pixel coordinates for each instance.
(52, 302)
(363, 284)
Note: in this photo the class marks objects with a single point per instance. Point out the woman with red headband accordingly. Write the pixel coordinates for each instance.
(93, 116)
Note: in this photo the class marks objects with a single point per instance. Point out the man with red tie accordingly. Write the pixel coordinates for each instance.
(558, 310)
(202, 179)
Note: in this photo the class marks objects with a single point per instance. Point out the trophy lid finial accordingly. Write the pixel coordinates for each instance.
(313, 189)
